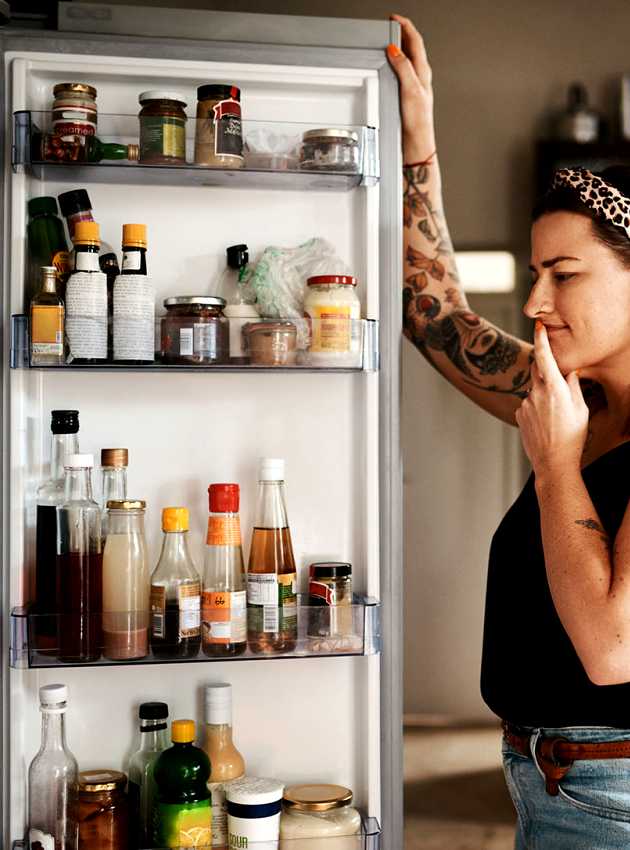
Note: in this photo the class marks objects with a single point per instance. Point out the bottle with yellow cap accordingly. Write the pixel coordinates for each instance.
(86, 299)
(175, 592)
(134, 300)
(182, 814)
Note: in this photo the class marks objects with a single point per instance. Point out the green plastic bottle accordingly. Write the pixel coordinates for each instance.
(182, 814)
(47, 245)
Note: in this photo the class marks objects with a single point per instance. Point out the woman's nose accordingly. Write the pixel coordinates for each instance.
(540, 300)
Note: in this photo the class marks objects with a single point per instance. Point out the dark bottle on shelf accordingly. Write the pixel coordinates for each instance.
(49, 147)
(86, 299)
(47, 245)
(76, 206)
(65, 440)
(153, 741)
(175, 593)
(109, 267)
(79, 565)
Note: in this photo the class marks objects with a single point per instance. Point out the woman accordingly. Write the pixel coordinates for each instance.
(556, 656)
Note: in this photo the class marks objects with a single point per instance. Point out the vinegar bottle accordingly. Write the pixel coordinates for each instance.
(271, 575)
(114, 463)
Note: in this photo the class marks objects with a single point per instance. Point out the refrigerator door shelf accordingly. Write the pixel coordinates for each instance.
(272, 157)
(323, 632)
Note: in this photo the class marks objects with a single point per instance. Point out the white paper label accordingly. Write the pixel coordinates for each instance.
(189, 612)
(131, 261)
(39, 840)
(262, 588)
(186, 341)
(134, 317)
(86, 315)
(86, 261)
(219, 814)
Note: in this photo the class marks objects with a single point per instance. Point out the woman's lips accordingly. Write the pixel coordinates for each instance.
(552, 330)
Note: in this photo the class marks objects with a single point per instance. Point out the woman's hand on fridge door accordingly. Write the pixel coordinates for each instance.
(416, 92)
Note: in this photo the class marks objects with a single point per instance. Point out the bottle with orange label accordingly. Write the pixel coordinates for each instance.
(224, 607)
(47, 322)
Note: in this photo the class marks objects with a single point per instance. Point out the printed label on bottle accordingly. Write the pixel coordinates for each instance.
(205, 339)
(162, 136)
(134, 317)
(87, 261)
(331, 329)
(189, 610)
(228, 132)
(47, 330)
(219, 813)
(158, 610)
(272, 602)
(132, 261)
(61, 261)
(224, 530)
(186, 341)
(224, 617)
(86, 314)
(39, 840)
(183, 824)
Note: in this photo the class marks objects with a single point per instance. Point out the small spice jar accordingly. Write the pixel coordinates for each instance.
(74, 110)
(195, 330)
(219, 135)
(330, 600)
(162, 127)
(330, 149)
(103, 810)
(270, 343)
(333, 308)
(318, 811)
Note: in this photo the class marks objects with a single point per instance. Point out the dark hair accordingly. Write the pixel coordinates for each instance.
(563, 199)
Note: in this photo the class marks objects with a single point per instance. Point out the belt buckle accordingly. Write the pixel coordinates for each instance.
(547, 760)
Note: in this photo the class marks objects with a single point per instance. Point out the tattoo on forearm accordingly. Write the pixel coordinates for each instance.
(593, 525)
(418, 207)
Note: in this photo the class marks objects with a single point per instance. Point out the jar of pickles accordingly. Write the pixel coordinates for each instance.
(103, 810)
(195, 330)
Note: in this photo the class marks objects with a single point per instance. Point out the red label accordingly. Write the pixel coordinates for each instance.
(321, 590)
(226, 107)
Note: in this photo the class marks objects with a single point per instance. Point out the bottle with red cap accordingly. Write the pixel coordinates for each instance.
(224, 604)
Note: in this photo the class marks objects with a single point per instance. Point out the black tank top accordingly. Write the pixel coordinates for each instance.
(530, 673)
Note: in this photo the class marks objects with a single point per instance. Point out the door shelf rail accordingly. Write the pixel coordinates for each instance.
(271, 157)
(37, 640)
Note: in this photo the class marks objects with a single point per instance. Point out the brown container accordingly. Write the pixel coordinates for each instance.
(271, 343)
(103, 810)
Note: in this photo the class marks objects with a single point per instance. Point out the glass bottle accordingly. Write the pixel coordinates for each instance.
(65, 441)
(153, 741)
(79, 565)
(109, 267)
(47, 244)
(47, 322)
(224, 602)
(183, 813)
(271, 575)
(226, 762)
(235, 288)
(134, 301)
(76, 206)
(125, 583)
(86, 299)
(114, 463)
(175, 592)
(53, 779)
(49, 147)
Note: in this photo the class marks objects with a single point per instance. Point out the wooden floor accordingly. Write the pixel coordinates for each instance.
(455, 794)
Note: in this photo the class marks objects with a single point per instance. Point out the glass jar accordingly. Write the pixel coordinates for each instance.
(74, 110)
(333, 309)
(330, 613)
(330, 149)
(162, 128)
(318, 811)
(195, 330)
(270, 343)
(103, 810)
(219, 135)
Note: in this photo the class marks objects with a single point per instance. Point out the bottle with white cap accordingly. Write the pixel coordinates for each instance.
(271, 574)
(227, 764)
(79, 564)
(53, 778)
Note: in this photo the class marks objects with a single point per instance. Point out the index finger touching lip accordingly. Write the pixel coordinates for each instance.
(545, 361)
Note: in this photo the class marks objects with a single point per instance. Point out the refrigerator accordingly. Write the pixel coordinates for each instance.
(311, 716)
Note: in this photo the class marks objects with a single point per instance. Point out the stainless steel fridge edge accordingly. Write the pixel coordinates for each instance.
(5, 443)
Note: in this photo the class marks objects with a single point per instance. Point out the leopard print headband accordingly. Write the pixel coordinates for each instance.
(605, 200)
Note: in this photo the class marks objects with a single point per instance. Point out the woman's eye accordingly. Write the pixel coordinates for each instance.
(562, 277)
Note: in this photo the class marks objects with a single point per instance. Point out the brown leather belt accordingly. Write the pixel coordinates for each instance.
(555, 756)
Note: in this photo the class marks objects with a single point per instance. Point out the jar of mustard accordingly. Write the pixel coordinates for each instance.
(162, 127)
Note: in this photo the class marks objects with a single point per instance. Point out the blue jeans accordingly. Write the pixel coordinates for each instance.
(592, 810)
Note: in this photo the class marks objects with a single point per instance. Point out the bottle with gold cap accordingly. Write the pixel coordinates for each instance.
(175, 592)
(86, 299)
(182, 814)
(47, 322)
(134, 300)
(114, 463)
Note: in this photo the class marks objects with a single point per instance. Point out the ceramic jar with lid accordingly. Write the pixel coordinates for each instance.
(318, 811)
(103, 810)
(162, 127)
(253, 812)
(195, 330)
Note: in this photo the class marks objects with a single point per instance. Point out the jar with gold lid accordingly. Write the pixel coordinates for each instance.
(103, 810)
(74, 110)
(318, 811)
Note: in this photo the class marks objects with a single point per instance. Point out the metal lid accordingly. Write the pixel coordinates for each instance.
(327, 279)
(270, 327)
(218, 91)
(331, 133)
(208, 300)
(93, 781)
(126, 505)
(161, 94)
(331, 569)
(79, 88)
(316, 798)
(114, 457)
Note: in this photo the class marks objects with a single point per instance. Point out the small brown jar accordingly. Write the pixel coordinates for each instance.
(219, 135)
(195, 330)
(270, 343)
(103, 810)
(162, 128)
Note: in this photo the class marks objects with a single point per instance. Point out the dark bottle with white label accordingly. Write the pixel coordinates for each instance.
(86, 299)
(134, 301)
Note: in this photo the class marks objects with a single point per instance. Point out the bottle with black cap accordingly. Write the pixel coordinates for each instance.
(153, 740)
(236, 289)
(76, 206)
(65, 441)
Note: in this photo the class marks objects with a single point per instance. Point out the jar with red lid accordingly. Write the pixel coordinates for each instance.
(103, 810)
(195, 330)
(333, 310)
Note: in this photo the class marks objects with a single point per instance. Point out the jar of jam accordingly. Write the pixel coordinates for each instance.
(74, 110)
(103, 810)
(195, 330)
(219, 136)
(162, 128)
(270, 343)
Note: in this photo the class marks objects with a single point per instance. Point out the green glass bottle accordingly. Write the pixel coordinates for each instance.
(47, 245)
(50, 148)
(182, 814)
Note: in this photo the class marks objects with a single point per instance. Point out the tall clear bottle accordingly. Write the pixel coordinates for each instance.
(114, 463)
(79, 565)
(224, 602)
(271, 574)
(53, 778)
(65, 440)
(154, 740)
(175, 592)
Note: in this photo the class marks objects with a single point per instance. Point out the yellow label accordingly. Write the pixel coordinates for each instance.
(331, 328)
(173, 140)
(47, 325)
(61, 261)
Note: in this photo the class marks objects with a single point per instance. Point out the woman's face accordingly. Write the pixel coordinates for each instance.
(580, 291)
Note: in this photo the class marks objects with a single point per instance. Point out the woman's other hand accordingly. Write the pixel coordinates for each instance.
(553, 419)
(416, 93)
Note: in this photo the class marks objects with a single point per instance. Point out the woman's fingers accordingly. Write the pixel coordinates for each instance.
(403, 68)
(413, 45)
(545, 361)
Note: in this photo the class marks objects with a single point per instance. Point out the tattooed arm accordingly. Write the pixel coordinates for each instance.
(489, 366)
